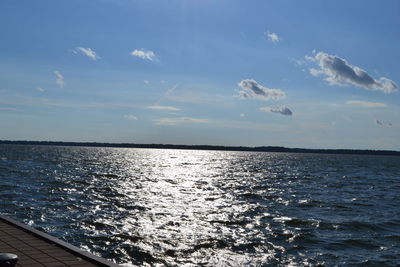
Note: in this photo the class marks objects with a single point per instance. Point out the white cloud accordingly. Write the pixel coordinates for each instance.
(144, 54)
(242, 115)
(340, 72)
(180, 120)
(40, 89)
(146, 82)
(273, 37)
(251, 89)
(166, 108)
(130, 117)
(366, 104)
(60, 78)
(87, 52)
(281, 110)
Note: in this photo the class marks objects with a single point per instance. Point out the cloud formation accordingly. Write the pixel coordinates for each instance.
(366, 104)
(87, 52)
(280, 110)
(273, 37)
(59, 78)
(165, 108)
(40, 89)
(130, 117)
(338, 71)
(251, 89)
(382, 123)
(144, 54)
(180, 120)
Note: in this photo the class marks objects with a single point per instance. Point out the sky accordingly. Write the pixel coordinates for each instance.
(310, 74)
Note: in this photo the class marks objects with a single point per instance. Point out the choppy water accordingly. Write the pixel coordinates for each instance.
(209, 208)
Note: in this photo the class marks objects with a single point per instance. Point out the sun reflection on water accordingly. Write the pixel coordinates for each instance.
(186, 207)
(214, 208)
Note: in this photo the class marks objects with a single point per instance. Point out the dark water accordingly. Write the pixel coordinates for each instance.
(208, 208)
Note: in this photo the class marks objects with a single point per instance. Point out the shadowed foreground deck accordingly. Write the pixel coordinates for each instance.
(35, 248)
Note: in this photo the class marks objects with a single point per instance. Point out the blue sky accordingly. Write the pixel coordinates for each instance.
(313, 74)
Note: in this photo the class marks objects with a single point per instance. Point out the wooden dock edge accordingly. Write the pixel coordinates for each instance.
(64, 245)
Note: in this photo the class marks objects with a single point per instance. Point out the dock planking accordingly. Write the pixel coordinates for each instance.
(35, 248)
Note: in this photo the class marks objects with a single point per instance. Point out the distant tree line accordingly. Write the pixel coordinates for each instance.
(208, 147)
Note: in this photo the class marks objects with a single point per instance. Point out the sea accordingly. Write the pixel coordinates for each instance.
(166, 207)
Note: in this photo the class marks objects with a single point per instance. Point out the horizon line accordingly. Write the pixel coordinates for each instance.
(264, 148)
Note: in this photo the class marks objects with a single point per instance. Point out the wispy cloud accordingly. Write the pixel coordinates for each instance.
(366, 104)
(251, 89)
(180, 120)
(59, 78)
(170, 90)
(339, 72)
(167, 92)
(87, 52)
(299, 62)
(146, 82)
(273, 37)
(9, 109)
(165, 108)
(40, 89)
(144, 54)
(281, 110)
(130, 117)
(34, 101)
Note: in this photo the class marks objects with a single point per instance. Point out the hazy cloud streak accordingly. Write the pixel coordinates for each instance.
(170, 90)
(180, 120)
(166, 108)
(366, 104)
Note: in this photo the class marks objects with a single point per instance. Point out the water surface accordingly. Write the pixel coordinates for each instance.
(209, 208)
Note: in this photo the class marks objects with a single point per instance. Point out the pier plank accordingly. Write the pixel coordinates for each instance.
(35, 248)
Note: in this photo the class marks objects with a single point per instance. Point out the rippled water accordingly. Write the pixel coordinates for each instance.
(210, 208)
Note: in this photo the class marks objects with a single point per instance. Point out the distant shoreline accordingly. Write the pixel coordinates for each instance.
(209, 147)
